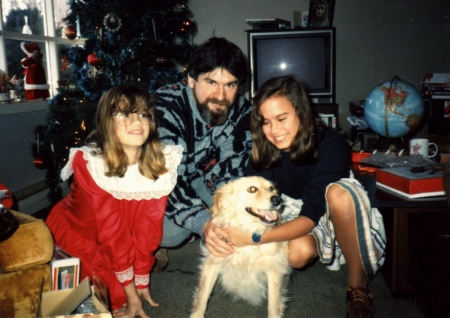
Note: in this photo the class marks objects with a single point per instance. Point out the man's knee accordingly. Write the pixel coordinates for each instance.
(173, 235)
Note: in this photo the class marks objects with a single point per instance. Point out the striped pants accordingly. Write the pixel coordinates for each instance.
(369, 229)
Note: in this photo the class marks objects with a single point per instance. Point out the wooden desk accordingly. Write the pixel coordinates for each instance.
(397, 211)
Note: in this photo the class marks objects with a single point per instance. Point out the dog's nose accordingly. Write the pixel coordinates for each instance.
(275, 200)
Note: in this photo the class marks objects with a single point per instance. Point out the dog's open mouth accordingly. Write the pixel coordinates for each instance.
(267, 216)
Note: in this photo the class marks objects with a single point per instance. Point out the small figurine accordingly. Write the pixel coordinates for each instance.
(35, 81)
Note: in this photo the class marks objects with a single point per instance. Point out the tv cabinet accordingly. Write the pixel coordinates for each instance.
(328, 108)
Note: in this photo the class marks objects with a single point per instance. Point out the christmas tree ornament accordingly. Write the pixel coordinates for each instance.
(93, 60)
(64, 63)
(7, 198)
(154, 29)
(112, 23)
(186, 26)
(78, 27)
(70, 32)
(162, 60)
(39, 163)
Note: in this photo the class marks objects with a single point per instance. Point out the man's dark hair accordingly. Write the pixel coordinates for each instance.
(218, 52)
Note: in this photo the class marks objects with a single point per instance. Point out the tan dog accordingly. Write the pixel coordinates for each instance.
(252, 272)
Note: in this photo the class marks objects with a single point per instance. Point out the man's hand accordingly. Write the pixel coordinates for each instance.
(216, 240)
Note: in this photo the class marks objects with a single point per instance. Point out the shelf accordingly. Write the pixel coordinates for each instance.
(328, 108)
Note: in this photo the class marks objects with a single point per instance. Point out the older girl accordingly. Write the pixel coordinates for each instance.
(327, 214)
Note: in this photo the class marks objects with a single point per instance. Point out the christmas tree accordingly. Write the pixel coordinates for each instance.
(139, 42)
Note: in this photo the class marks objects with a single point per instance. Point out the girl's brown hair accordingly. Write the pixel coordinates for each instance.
(304, 145)
(126, 99)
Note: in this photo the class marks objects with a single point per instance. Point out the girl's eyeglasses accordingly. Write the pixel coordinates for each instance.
(126, 119)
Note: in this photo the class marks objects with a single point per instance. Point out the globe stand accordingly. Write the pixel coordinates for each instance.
(394, 143)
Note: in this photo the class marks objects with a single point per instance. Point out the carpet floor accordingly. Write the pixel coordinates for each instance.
(315, 292)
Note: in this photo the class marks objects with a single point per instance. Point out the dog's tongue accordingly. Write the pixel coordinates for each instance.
(269, 215)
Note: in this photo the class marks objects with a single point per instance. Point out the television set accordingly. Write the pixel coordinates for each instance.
(307, 54)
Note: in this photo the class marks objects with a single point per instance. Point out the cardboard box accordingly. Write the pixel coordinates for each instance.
(411, 183)
(65, 270)
(61, 303)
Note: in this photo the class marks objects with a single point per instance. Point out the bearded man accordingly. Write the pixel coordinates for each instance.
(205, 114)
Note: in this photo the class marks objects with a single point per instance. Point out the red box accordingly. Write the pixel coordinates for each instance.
(412, 184)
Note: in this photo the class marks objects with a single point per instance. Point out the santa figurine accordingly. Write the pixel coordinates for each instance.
(35, 82)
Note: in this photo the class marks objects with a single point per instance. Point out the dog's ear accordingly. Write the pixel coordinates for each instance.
(217, 201)
(220, 198)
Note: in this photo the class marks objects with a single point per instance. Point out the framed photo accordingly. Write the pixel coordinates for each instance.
(65, 270)
(447, 108)
(321, 13)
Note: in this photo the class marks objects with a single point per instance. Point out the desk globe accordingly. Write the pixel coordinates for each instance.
(394, 109)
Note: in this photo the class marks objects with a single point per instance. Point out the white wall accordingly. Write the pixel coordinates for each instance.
(375, 40)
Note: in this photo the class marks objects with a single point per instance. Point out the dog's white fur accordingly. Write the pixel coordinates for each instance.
(252, 272)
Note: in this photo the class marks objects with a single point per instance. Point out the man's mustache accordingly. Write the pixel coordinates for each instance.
(218, 102)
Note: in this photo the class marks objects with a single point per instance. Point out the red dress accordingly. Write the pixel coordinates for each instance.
(113, 232)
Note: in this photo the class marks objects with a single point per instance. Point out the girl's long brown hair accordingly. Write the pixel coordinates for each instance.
(304, 145)
(126, 99)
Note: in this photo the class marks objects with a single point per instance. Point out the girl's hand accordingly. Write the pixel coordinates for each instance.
(144, 294)
(237, 237)
(130, 311)
(133, 307)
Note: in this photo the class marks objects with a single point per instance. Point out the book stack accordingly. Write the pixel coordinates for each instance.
(435, 90)
(436, 86)
(328, 119)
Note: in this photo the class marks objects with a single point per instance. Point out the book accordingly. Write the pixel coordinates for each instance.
(437, 78)
(435, 84)
(412, 182)
(328, 119)
(441, 96)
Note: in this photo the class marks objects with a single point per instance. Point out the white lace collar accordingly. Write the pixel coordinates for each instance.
(133, 186)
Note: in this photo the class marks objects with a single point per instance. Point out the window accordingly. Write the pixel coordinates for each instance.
(39, 22)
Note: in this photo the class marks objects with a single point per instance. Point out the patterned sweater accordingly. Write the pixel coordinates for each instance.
(212, 154)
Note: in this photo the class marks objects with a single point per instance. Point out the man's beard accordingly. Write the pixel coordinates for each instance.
(218, 117)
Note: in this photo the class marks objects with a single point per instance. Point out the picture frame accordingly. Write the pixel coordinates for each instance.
(65, 270)
(447, 109)
(321, 13)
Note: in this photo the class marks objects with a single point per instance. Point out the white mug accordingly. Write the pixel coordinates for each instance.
(420, 147)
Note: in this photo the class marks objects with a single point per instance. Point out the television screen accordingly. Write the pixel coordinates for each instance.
(306, 54)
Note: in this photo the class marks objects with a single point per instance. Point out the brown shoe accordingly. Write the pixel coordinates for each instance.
(162, 260)
(359, 303)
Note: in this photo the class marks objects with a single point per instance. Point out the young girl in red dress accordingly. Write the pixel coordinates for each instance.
(112, 218)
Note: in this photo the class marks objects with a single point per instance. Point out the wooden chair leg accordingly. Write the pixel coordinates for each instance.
(447, 184)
